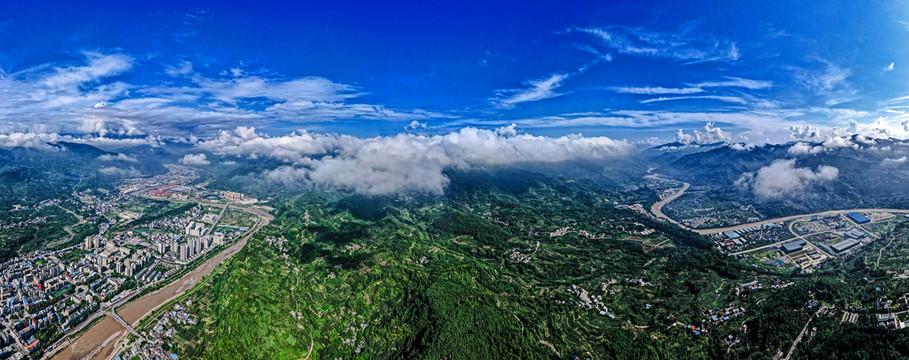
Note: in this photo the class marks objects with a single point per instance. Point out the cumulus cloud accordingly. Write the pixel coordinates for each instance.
(804, 132)
(195, 159)
(93, 126)
(405, 163)
(781, 178)
(833, 143)
(803, 148)
(837, 142)
(295, 147)
(742, 147)
(710, 135)
(888, 68)
(415, 125)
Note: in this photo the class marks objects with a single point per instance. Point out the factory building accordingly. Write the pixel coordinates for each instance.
(793, 246)
(844, 245)
(858, 218)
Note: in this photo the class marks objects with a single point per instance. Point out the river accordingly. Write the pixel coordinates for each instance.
(101, 340)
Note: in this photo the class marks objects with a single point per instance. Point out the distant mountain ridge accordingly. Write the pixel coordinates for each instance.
(870, 174)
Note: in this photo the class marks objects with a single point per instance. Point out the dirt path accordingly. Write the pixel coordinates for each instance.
(544, 342)
(881, 253)
(804, 329)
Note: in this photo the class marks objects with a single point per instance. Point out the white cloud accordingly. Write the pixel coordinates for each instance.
(415, 125)
(405, 162)
(803, 148)
(182, 68)
(118, 157)
(507, 131)
(291, 148)
(732, 99)
(98, 66)
(742, 147)
(536, 90)
(894, 162)
(837, 142)
(195, 159)
(93, 126)
(888, 68)
(737, 82)
(710, 135)
(682, 45)
(782, 178)
(828, 82)
(804, 132)
(696, 88)
(28, 140)
(657, 90)
(83, 98)
(119, 171)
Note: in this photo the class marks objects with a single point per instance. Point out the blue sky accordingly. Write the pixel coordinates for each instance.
(631, 69)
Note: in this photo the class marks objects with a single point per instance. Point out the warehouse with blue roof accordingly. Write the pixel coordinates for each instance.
(858, 218)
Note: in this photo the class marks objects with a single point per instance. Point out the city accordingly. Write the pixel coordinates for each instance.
(48, 296)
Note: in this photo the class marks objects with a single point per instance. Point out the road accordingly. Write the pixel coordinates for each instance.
(804, 329)
(881, 252)
(793, 217)
(657, 210)
(113, 314)
(778, 243)
(68, 228)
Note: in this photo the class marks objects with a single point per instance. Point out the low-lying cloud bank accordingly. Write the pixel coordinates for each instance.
(403, 163)
(782, 178)
(42, 140)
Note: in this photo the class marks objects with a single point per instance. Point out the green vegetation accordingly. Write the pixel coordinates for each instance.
(32, 235)
(446, 278)
(156, 210)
